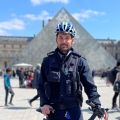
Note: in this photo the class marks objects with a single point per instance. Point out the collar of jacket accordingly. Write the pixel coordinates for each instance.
(69, 51)
(62, 56)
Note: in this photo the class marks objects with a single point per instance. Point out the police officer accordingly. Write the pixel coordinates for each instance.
(63, 72)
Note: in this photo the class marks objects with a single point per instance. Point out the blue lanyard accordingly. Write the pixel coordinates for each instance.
(67, 116)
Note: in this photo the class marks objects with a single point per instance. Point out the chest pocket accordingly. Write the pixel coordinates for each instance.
(53, 82)
(54, 76)
(69, 69)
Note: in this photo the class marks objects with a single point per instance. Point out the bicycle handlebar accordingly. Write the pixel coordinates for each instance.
(96, 110)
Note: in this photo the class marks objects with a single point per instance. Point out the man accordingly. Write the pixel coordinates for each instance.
(35, 83)
(7, 86)
(62, 73)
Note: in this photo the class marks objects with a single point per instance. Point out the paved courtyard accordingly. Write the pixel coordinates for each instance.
(22, 111)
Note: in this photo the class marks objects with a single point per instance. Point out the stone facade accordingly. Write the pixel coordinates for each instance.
(11, 47)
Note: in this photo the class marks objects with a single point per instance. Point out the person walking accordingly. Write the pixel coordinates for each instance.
(21, 77)
(63, 73)
(8, 87)
(116, 71)
(35, 83)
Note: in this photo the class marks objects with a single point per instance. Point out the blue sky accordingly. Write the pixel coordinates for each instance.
(101, 18)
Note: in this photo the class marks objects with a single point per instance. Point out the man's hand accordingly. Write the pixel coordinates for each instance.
(100, 112)
(46, 109)
(97, 111)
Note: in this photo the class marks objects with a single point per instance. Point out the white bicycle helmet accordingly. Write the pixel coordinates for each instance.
(65, 27)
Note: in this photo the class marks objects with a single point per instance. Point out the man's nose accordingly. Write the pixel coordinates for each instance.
(64, 40)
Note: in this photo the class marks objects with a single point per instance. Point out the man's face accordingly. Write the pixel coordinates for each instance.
(64, 41)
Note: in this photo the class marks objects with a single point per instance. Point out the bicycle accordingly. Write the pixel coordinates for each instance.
(96, 111)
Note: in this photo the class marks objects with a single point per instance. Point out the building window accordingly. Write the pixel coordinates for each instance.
(20, 46)
(4, 45)
(12, 46)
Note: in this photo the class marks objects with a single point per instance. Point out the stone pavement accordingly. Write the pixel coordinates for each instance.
(22, 111)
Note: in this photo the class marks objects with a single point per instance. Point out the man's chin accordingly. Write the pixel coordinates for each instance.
(64, 50)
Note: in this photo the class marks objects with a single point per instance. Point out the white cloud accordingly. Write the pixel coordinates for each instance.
(13, 24)
(81, 16)
(3, 32)
(85, 14)
(38, 2)
(44, 15)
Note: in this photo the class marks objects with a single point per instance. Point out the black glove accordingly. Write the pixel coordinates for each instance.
(99, 111)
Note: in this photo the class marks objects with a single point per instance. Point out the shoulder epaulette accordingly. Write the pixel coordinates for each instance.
(76, 54)
(50, 53)
(83, 57)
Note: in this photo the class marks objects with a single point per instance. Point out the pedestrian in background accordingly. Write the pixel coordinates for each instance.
(35, 83)
(8, 87)
(21, 77)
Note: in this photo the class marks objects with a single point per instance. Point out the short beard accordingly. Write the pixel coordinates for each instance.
(64, 51)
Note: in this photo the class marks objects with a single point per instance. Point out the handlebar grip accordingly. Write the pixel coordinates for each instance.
(39, 110)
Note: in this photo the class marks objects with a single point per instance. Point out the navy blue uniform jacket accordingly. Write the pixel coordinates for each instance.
(85, 78)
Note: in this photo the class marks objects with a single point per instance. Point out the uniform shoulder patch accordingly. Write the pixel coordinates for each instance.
(50, 53)
(83, 57)
(79, 55)
(76, 54)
